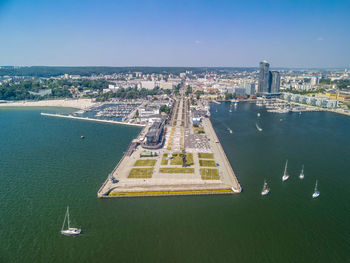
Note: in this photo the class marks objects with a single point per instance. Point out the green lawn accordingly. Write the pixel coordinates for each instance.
(164, 162)
(209, 174)
(170, 170)
(141, 173)
(206, 155)
(177, 159)
(209, 163)
(145, 162)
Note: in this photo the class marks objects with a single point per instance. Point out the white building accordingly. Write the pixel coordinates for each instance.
(147, 84)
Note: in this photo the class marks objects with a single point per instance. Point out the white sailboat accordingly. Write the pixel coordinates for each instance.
(70, 231)
(316, 192)
(257, 126)
(285, 174)
(265, 189)
(258, 114)
(301, 176)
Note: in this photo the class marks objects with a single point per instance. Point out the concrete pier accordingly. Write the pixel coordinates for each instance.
(208, 171)
(90, 119)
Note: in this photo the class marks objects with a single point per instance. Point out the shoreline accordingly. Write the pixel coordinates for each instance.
(64, 103)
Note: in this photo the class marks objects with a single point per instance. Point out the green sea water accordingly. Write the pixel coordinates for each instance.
(45, 166)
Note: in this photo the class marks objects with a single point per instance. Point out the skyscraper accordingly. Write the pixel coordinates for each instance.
(275, 82)
(263, 84)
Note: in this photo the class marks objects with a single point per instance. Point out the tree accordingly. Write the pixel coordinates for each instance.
(164, 108)
(228, 96)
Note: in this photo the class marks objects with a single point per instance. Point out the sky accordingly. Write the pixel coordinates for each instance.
(227, 33)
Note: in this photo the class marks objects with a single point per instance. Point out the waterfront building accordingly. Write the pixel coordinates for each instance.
(248, 87)
(240, 92)
(275, 80)
(320, 102)
(154, 134)
(263, 84)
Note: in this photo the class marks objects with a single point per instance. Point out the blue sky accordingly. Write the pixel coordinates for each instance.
(309, 33)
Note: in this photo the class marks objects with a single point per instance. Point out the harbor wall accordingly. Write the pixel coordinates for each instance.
(90, 119)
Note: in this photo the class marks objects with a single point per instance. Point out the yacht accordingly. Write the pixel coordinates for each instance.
(70, 231)
(301, 176)
(258, 114)
(285, 176)
(316, 192)
(265, 189)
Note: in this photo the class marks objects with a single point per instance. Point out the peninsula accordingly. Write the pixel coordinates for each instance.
(180, 155)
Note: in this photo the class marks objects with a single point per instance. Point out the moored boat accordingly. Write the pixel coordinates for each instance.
(285, 176)
(266, 189)
(70, 231)
(301, 176)
(316, 192)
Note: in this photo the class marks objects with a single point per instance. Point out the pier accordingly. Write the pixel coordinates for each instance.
(90, 119)
(187, 163)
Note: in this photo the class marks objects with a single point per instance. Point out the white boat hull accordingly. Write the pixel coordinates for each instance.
(301, 176)
(315, 195)
(285, 177)
(71, 232)
(265, 192)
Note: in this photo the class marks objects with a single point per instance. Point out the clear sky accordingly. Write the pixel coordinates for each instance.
(307, 33)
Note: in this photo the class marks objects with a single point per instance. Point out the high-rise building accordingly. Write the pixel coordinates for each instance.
(269, 81)
(275, 82)
(263, 84)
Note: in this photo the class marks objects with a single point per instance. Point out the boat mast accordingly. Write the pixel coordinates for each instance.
(285, 168)
(316, 186)
(68, 216)
(64, 220)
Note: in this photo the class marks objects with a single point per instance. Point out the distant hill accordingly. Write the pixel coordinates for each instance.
(44, 71)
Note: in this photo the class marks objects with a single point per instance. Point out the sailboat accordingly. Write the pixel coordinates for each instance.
(285, 174)
(301, 176)
(265, 189)
(316, 192)
(70, 231)
(257, 126)
(258, 114)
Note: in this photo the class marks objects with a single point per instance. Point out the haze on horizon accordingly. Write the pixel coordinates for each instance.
(175, 33)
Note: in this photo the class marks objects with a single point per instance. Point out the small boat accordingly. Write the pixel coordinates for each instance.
(82, 137)
(230, 110)
(230, 131)
(285, 176)
(316, 192)
(258, 114)
(301, 176)
(70, 231)
(257, 126)
(234, 101)
(265, 189)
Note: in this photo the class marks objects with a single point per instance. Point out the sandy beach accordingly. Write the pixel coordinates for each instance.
(68, 103)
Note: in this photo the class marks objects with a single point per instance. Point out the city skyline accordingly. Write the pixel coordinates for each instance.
(294, 34)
